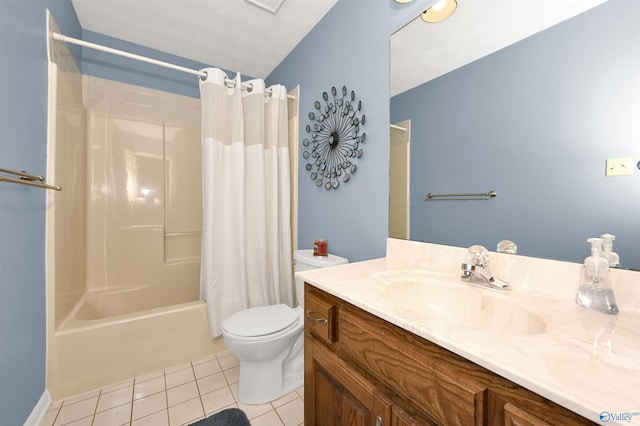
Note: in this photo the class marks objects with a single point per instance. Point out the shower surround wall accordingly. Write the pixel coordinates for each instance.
(123, 246)
(144, 209)
(66, 210)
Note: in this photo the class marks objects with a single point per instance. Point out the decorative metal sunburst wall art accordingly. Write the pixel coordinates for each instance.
(334, 141)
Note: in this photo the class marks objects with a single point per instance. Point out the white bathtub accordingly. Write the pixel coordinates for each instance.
(115, 335)
(123, 237)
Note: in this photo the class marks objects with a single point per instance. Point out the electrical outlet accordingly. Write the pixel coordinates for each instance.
(619, 167)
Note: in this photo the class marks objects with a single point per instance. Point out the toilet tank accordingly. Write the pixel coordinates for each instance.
(305, 260)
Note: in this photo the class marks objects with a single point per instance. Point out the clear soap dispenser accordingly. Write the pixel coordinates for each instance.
(594, 292)
(607, 250)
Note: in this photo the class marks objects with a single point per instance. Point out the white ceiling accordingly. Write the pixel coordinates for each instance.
(238, 36)
(421, 52)
(230, 34)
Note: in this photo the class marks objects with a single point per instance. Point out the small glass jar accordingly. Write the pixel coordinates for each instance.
(320, 247)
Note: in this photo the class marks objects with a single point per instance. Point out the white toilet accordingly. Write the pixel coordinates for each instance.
(268, 340)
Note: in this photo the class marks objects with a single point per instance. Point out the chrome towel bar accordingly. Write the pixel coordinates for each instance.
(446, 197)
(25, 178)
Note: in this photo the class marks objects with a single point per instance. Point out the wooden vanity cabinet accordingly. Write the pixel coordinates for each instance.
(362, 370)
(340, 395)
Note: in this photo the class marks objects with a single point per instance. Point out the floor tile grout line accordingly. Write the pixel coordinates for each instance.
(146, 396)
(113, 406)
(166, 397)
(279, 416)
(95, 409)
(57, 414)
(133, 394)
(198, 389)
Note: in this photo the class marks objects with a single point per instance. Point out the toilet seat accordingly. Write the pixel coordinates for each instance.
(261, 321)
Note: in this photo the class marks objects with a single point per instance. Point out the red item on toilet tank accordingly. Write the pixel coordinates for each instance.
(320, 248)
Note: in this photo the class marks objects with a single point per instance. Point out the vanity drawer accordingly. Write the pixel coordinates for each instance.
(320, 316)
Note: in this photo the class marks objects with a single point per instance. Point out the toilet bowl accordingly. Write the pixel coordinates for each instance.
(268, 341)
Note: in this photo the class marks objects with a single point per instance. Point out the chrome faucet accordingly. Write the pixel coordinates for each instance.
(478, 267)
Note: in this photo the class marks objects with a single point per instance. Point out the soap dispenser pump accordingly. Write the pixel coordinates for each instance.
(607, 250)
(595, 293)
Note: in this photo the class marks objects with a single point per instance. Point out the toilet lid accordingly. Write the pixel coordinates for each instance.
(260, 321)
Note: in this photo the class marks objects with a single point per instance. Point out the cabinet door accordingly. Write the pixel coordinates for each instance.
(335, 395)
(514, 416)
(399, 417)
(335, 405)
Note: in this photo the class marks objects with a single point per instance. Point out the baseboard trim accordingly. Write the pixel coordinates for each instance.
(38, 412)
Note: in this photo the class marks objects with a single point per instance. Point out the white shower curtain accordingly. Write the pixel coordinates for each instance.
(246, 231)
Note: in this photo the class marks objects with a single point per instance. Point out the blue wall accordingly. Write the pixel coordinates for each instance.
(23, 145)
(534, 122)
(349, 46)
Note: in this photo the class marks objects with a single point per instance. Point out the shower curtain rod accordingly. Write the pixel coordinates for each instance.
(201, 74)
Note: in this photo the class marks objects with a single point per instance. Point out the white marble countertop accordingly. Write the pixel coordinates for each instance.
(532, 335)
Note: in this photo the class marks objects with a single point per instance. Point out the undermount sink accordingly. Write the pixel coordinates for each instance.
(444, 297)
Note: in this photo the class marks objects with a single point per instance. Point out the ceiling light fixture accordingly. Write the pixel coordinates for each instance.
(439, 11)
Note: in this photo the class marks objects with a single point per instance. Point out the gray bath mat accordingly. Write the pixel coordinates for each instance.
(228, 417)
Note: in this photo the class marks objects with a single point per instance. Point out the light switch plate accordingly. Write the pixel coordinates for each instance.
(619, 167)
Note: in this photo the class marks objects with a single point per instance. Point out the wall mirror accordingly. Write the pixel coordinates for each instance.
(534, 119)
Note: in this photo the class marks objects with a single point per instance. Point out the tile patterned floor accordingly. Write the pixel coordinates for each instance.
(179, 395)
